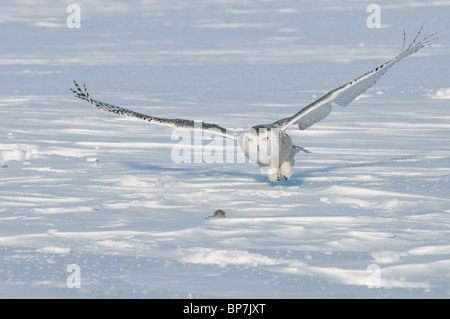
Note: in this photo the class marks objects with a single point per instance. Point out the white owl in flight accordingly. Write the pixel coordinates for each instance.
(269, 145)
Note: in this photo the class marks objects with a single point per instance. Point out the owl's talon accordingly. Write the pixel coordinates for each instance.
(274, 177)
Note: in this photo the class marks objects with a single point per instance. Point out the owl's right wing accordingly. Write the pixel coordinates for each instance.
(174, 123)
(346, 93)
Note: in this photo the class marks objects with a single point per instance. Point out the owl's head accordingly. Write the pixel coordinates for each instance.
(261, 144)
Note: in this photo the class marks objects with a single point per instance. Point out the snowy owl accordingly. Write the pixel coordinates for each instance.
(268, 145)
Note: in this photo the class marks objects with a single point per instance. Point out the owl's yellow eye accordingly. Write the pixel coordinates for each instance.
(266, 138)
(250, 140)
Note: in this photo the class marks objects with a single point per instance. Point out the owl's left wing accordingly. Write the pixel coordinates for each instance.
(174, 123)
(346, 93)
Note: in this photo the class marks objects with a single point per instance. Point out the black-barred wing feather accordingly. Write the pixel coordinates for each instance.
(174, 123)
(346, 93)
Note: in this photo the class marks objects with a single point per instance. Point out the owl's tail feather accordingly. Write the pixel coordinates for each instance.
(300, 149)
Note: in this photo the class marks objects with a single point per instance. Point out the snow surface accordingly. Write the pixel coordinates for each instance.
(80, 186)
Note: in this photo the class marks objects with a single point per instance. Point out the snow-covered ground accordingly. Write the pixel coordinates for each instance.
(370, 206)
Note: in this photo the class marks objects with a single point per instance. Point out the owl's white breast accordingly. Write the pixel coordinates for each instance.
(266, 145)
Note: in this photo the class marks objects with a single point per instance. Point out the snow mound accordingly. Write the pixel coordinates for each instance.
(17, 152)
(441, 94)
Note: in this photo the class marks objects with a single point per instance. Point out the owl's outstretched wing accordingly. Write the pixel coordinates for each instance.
(346, 93)
(174, 123)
